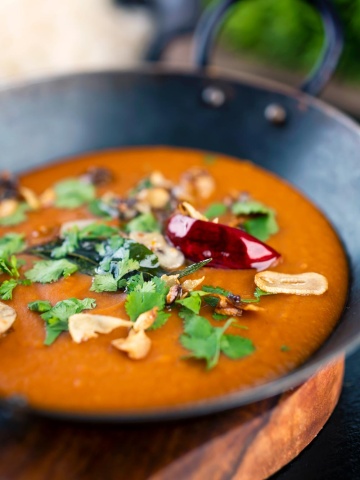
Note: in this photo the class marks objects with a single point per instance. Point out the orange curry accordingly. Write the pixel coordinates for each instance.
(93, 376)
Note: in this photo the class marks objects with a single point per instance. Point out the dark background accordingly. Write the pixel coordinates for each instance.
(335, 452)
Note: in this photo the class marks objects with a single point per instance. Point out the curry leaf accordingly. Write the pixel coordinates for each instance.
(218, 290)
(70, 243)
(192, 268)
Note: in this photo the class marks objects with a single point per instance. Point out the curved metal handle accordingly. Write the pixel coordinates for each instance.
(211, 20)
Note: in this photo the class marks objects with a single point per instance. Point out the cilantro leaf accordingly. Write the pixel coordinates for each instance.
(285, 348)
(148, 286)
(243, 327)
(215, 210)
(47, 271)
(205, 341)
(102, 209)
(56, 317)
(262, 227)
(126, 266)
(104, 283)
(202, 339)
(6, 289)
(235, 347)
(53, 331)
(203, 348)
(209, 159)
(261, 293)
(145, 222)
(65, 308)
(73, 192)
(263, 224)
(257, 295)
(140, 300)
(161, 319)
(110, 281)
(192, 301)
(11, 266)
(39, 306)
(136, 282)
(8, 286)
(142, 185)
(196, 325)
(249, 207)
(17, 217)
(11, 243)
(218, 317)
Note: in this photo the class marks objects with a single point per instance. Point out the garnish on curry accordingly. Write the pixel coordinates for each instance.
(142, 278)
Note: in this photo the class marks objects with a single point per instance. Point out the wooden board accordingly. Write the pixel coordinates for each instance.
(244, 444)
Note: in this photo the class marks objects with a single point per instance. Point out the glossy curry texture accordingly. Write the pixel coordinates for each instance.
(95, 377)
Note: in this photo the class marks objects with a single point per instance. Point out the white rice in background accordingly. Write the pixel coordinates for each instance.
(47, 37)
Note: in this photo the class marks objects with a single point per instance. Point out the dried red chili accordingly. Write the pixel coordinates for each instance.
(227, 246)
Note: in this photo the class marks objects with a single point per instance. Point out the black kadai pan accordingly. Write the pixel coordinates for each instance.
(285, 130)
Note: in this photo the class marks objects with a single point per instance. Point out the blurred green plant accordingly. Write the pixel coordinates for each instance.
(289, 33)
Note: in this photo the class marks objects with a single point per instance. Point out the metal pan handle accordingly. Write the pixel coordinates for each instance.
(210, 22)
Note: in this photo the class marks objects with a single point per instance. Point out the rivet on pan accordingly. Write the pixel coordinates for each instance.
(213, 96)
(275, 114)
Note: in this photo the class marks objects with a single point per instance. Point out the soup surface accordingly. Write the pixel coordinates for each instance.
(93, 376)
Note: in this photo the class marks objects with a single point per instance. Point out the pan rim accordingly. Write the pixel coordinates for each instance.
(234, 399)
(220, 74)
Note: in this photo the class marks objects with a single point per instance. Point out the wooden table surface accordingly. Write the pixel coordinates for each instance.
(243, 444)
